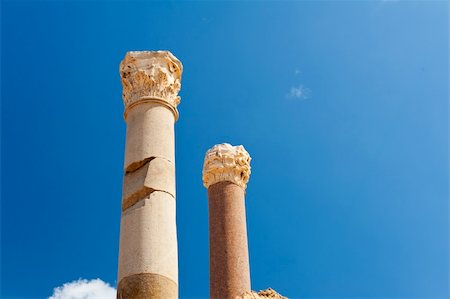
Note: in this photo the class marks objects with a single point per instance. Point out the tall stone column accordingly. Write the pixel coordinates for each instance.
(148, 258)
(225, 174)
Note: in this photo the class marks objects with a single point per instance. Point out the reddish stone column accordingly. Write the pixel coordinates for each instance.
(225, 173)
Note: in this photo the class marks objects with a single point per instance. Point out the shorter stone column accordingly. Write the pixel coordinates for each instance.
(225, 174)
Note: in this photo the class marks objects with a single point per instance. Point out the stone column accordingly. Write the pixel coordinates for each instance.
(148, 258)
(225, 174)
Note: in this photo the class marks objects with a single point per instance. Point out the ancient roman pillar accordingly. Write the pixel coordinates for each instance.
(148, 258)
(226, 172)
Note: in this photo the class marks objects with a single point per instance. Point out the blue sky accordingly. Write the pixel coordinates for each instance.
(343, 107)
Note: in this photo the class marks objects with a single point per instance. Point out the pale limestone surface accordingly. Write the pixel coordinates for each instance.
(224, 162)
(150, 133)
(148, 241)
(264, 294)
(157, 174)
(151, 74)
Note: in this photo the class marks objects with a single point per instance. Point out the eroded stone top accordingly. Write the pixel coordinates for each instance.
(148, 75)
(224, 162)
(264, 294)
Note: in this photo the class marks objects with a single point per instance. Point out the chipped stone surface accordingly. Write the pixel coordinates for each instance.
(155, 175)
(151, 74)
(264, 294)
(224, 162)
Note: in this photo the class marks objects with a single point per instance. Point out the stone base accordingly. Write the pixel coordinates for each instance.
(147, 285)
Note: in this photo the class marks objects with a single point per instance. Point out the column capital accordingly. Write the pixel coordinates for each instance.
(151, 76)
(224, 162)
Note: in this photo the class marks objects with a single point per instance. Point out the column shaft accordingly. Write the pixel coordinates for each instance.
(148, 259)
(229, 261)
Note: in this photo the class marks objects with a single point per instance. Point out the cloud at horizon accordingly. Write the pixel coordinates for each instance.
(84, 289)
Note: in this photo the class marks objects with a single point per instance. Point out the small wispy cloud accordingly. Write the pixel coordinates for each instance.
(299, 92)
(84, 289)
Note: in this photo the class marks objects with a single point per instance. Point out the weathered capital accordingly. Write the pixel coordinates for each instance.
(224, 162)
(151, 76)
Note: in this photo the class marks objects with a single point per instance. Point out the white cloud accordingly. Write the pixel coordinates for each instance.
(299, 92)
(84, 289)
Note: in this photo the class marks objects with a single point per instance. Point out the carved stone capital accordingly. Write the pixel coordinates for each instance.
(151, 76)
(224, 162)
